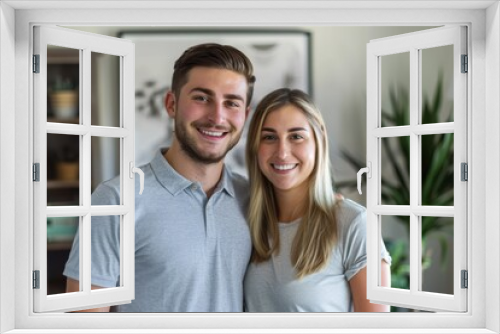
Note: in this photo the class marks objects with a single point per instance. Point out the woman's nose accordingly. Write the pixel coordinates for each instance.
(283, 149)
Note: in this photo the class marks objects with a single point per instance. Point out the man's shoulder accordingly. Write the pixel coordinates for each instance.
(240, 182)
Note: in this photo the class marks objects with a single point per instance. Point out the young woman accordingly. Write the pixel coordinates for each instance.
(309, 244)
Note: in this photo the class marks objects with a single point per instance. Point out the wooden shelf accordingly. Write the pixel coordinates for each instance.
(63, 120)
(60, 184)
(59, 245)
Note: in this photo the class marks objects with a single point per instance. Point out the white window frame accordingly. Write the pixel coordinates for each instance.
(17, 19)
(412, 44)
(85, 43)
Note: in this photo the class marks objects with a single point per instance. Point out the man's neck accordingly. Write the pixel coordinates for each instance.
(208, 175)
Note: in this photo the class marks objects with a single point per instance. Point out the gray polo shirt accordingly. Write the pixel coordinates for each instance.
(191, 252)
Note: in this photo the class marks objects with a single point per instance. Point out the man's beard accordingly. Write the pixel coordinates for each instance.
(188, 145)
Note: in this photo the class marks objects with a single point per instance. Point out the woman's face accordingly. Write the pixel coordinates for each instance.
(286, 154)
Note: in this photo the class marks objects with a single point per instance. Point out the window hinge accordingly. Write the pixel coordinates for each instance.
(465, 64)
(465, 279)
(36, 172)
(36, 279)
(464, 171)
(36, 63)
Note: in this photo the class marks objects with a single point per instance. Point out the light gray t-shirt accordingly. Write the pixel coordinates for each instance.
(272, 286)
(191, 252)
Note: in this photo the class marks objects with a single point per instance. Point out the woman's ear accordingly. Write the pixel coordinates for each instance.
(170, 103)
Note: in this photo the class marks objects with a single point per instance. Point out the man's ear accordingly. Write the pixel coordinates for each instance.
(170, 103)
(247, 112)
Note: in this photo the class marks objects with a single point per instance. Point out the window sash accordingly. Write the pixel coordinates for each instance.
(86, 43)
(412, 43)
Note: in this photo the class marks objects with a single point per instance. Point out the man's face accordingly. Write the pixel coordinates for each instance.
(209, 113)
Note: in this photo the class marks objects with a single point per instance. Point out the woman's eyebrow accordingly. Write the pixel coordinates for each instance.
(266, 129)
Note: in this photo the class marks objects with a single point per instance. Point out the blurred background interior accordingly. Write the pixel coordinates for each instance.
(327, 62)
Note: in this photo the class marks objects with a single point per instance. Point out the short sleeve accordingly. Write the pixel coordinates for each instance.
(105, 244)
(355, 255)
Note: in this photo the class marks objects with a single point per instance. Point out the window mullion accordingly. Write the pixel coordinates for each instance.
(415, 248)
(85, 170)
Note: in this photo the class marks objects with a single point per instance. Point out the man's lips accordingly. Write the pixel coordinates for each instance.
(213, 133)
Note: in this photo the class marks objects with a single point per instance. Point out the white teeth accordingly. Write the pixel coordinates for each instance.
(212, 133)
(284, 167)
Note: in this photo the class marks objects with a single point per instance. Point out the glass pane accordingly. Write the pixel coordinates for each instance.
(437, 254)
(105, 89)
(396, 237)
(63, 172)
(105, 252)
(105, 161)
(63, 79)
(395, 170)
(60, 235)
(437, 169)
(394, 89)
(437, 85)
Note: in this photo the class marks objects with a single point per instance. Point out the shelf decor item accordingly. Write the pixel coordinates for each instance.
(67, 168)
(64, 99)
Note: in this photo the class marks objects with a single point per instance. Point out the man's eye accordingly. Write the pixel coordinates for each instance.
(232, 104)
(200, 98)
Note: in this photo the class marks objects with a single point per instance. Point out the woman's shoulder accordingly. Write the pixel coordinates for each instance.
(349, 207)
(349, 212)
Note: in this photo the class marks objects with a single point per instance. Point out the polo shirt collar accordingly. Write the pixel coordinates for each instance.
(175, 182)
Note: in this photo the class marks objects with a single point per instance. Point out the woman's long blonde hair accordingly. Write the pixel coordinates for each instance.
(317, 233)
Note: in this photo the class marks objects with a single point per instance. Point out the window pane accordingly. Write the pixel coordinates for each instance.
(60, 235)
(437, 169)
(396, 236)
(105, 162)
(63, 157)
(395, 170)
(394, 90)
(63, 79)
(437, 254)
(105, 89)
(437, 85)
(106, 252)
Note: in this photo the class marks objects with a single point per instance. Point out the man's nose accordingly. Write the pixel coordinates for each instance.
(217, 113)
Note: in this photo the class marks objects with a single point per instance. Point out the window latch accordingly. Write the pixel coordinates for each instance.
(136, 170)
(368, 171)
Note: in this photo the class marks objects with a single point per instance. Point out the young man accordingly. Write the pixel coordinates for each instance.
(192, 243)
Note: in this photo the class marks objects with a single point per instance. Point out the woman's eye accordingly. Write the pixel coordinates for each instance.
(296, 136)
(268, 137)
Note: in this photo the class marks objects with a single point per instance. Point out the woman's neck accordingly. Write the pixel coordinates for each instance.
(292, 204)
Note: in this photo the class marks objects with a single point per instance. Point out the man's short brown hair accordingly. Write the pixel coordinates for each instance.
(212, 55)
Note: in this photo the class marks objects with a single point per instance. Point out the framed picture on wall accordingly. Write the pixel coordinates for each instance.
(281, 58)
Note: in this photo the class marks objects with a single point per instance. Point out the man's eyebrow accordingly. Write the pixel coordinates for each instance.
(210, 92)
(203, 90)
